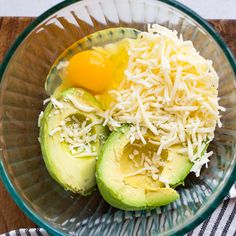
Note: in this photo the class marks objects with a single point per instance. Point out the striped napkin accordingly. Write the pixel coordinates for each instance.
(222, 222)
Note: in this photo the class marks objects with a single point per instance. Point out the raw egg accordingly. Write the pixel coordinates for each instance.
(90, 69)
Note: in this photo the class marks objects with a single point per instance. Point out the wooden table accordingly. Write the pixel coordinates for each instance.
(10, 215)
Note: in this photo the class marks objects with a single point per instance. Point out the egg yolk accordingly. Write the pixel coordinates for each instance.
(91, 70)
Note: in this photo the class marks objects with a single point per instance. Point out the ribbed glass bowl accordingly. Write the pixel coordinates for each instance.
(23, 73)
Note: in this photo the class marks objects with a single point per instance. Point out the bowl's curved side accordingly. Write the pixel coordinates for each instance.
(37, 220)
(4, 175)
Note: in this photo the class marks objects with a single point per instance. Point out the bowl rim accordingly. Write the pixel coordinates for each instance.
(3, 174)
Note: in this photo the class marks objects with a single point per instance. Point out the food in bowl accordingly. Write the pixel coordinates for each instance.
(132, 112)
(71, 136)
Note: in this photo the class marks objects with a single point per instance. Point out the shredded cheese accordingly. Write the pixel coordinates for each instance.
(40, 118)
(78, 136)
(138, 171)
(54, 131)
(79, 105)
(46, 101)
(56, 103)
(168, 91)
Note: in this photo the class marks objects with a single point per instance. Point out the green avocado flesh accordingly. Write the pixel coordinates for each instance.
(127, 193)
(74, 172)
(176, 169)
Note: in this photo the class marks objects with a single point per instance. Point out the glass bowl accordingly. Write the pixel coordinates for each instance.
(23, 74)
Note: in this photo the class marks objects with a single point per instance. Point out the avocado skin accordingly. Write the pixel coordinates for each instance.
(108, 196)
(44, 136)
(118, 140)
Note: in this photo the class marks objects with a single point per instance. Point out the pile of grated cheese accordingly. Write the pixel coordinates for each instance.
(169, 95)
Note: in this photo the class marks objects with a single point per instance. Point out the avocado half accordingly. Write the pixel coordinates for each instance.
(76, 174)
(112, 185)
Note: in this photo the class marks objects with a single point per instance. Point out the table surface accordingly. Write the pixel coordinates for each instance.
(10, 215)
